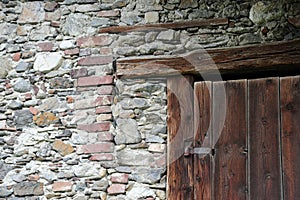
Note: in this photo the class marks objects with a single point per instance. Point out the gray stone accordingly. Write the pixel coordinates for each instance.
(68, 2)
(4, 169)
(130, 18)
(44, 150)
(261, 12)
(15, 105)
(139, 191)
(147, 175)
(100, 21)
(134, 103)
(45, 62)
(29, 103)
(22, 66)
(148, 5)
(127, 132)
(75, 24)
(203, 13)
(50, 6)
(100, 185)
(86, 170)
(154, 139)
(32, 12)
(135, 157)
(47, 174)
(65, 133)
(23, 118)
(188, 4)
(119, 4)
(168, 35)
(19, 177)
(5, 67)
(4, 192)
(41, 33)
(87, 8)
(28, 189)
(22, 86)
(12, 48)
(249, 38)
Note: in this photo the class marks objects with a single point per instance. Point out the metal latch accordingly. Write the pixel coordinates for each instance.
(200, 150)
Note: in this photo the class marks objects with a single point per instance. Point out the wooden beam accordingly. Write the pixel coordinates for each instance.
(276, 56)
(173, 25)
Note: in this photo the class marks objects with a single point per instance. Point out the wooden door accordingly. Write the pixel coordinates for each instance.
(246, 142)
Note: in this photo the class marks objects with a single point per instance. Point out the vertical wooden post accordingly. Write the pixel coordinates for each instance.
(180, 133)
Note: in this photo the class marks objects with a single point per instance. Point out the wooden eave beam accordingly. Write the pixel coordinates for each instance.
(271, 56)
(161, 26)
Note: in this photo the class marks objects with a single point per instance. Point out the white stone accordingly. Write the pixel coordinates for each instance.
(67, 44)
(151, 17)
(46, 62)
(140, 191)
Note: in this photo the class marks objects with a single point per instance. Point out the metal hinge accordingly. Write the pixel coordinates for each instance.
(199, 151)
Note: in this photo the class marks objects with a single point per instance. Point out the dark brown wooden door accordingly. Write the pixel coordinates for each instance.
(246, 142)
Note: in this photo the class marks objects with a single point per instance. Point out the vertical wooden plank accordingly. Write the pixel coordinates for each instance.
(230, 140)
(203, 137)
(290, 130)
(264, 123)
(180, 132)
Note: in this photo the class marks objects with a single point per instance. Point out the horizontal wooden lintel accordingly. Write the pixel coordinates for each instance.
(277, 55)
(160, 26)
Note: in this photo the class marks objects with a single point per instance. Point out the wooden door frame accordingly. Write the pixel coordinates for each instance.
(277, 56)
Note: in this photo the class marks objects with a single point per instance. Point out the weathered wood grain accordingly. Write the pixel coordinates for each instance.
(203, 138)
(290, 130)
(275, 56)
(172, 25)
(180, 132)
(264, 133)
(230, 177)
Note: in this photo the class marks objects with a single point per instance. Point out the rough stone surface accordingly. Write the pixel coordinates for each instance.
(5, 66)
(63, 148)
(263, 12)
(135, 157)
(46, 62)
(32, 12)
(45, 119)
(22, 86)
(128, 132)
(75, 24)
(28, 189)
(68, 122)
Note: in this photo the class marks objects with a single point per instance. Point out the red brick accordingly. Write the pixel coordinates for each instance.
(45, 46)
(116, 189)
(62, 186)
(105, 147)
(69, 99)
(55, 24)
(16, 57)
(105, 136)
(107, 89)
(104, 126)
(95, 80)
(109, 13)
(119, 178)
(104, 100)
(76, 73)
(103, 109)
(102, 157)
(72, 52)
(95, 60)
(93, 41)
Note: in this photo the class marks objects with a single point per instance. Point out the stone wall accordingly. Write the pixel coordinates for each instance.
(69, 129)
